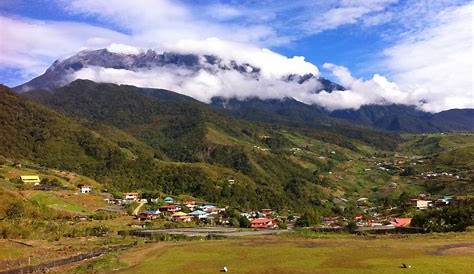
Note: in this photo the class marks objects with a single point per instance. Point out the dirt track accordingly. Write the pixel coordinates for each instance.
(220, 231)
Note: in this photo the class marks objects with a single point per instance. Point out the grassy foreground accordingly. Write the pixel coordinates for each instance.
(440, 253)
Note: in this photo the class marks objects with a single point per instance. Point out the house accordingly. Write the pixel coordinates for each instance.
(149, 215)
(267, 212)
(421, 204)
(362, 201)
(199, 214)
(181, 217)
(208, 208)
(85, 189)
(401, 222)
(446, 200)
(130, 196)
(189, 203)
(168, 208)
(30, 179)
(263, 223)
(168, 200)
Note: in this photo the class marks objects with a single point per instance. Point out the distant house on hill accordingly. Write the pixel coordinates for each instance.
(149, 215)
(181, 217)
(168, 208)
(85, 189)
(130, 196)
(30, 179)
(263, 223)
(421, 204)
(362, 201)
(266, 212)
(199, 214)
(168, 200)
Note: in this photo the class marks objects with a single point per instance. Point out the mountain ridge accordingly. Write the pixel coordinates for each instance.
(390, 117)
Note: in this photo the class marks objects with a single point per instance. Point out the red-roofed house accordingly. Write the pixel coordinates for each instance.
(401, 222)
(168, 208)
(263, 223)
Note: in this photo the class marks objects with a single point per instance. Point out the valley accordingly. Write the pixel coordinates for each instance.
(217, 136)
(157, 145)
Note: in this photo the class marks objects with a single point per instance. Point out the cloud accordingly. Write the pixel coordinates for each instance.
(202, 85)
(429, 63)
(159, 21)
(436, 62)
(31, 45)
(377, 90)
(272, 64)
(349, 12)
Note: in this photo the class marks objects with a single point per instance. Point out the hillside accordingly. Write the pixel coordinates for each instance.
(31, 131)
(163, 141)
(196, 149)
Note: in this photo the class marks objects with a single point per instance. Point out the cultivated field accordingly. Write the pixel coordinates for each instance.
(439, 253)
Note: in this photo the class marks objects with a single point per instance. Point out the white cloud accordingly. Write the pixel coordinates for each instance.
(377, 90)
(349, 12)
(273, 65)
(201, 85)
(154, 22)
(32, 45)
(431, 64)
(123, 49)
(436, 62)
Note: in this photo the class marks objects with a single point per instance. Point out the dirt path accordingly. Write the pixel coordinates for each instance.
(137, 209)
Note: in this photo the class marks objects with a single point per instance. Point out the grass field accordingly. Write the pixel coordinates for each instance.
(443, 253)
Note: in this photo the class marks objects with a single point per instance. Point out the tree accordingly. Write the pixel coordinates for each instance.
(309, 218)
(408, 171)
(244, 222)
(451, 218)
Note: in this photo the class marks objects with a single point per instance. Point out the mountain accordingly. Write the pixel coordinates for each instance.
(61, 73)
(287, 110)
(396, 118)
(409, 119)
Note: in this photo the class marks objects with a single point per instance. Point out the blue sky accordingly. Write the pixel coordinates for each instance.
(366, 37)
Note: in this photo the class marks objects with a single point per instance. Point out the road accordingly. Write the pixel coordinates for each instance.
(220, 231)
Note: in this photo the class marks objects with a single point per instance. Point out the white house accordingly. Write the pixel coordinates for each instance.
(131, 196)
(199, 214)
(85, 189)
(421, 204)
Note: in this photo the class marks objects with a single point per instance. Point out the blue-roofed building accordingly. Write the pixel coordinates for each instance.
(199, 214)
(168, 200)
(153, 211)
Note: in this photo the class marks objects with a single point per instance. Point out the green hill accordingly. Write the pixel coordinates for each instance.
(132, 138)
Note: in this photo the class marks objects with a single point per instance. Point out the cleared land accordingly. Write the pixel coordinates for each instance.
(441, 253)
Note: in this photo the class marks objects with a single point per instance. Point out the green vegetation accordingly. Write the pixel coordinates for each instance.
(133, 139)
(446, 253)
(105, 263)
(452, 218)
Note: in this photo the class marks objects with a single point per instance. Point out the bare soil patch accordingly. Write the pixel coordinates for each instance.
(455, 249)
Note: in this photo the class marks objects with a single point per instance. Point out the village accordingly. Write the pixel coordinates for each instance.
(189, 212)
